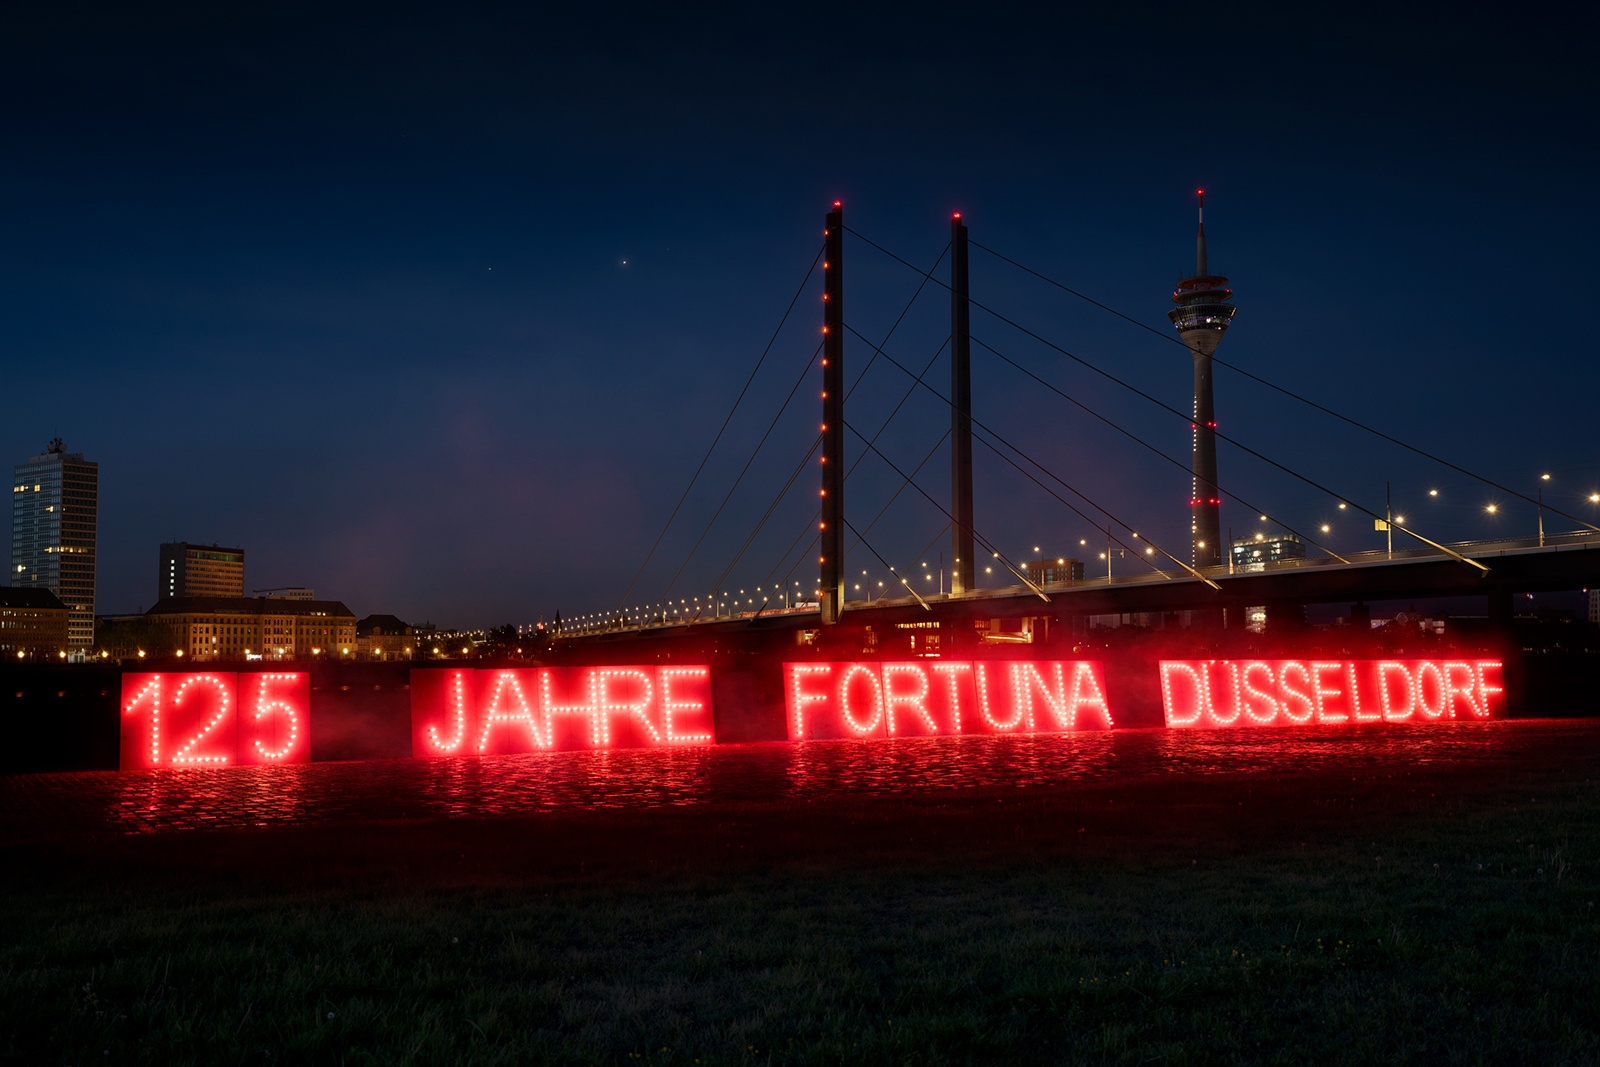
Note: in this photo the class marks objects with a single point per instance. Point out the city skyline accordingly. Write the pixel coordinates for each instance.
(458, 364)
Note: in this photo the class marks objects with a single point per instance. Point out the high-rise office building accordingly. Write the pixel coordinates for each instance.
(55, 499)
(200, 570)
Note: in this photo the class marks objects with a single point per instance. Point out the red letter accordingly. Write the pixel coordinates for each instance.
(1461, 681)
(1196, 704)
(845, 713)
(508, 689)
(605, 706)
(1237, 686)
(1088, 695)
(1385, 699)
(458, 718)
(981, 683)
(671, 706)
(549, 710)
(1290, 693)
(1355, 698)
(1431, 711)
(1484, 689)
(916, 700)
(950, 670)
(1252, 693)
(799, 699)
(1319, 691)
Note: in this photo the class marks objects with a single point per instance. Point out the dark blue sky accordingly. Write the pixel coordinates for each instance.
(436, 309)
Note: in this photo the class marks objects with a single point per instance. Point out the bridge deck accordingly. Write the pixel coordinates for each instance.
(1564, 561)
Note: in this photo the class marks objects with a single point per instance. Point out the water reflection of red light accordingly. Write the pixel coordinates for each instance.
(824, 700)
(498, 712)
(1220, 693)
(165, 799)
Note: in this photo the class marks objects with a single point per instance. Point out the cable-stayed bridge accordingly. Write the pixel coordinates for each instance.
(1205, 584)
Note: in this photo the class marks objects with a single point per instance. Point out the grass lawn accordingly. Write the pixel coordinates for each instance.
(1416, 919)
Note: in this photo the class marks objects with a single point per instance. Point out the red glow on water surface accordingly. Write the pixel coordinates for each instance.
(164, 799)
(1222, 693)
(824, 700)
(498, 712)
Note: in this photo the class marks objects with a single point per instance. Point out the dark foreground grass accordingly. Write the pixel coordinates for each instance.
(1228, 927)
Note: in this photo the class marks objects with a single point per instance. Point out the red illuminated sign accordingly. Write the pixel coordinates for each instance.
(196, 719)
(460, 712)
(1301, 692)
(275, 718)
(925, 698)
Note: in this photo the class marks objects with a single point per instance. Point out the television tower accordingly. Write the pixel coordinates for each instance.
(1202, 317)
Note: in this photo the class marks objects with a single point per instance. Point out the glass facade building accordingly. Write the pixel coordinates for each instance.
(55, 500)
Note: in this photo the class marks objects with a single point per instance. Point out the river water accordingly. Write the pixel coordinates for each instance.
(153, 801)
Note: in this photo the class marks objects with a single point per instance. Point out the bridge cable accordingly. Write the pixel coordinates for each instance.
(1170, 459)
(1286, 392)
(776, 500)
(859, 378)
(886, 563)
(936, 538)
(810, 527)
(914, 472)
(705, 459)
(927, 276)
(745, 470)
(1053, 477)
(1190, 420)
(881, 513)
(976, 535)
(784, 491)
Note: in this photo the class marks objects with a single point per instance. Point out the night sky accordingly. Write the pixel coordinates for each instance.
(436, 309)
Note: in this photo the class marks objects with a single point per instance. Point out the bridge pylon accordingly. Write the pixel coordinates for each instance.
(831, 556)
(961, 554)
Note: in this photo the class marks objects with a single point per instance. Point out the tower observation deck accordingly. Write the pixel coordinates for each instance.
(1202, 317)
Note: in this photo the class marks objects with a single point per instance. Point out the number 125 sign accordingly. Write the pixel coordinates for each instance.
(215, 719)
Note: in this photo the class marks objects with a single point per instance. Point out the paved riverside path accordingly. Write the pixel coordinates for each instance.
(162, 801)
